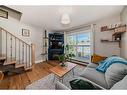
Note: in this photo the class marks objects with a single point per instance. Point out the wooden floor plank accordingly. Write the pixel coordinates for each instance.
(25, 80)
(20, 81)
(4, 84)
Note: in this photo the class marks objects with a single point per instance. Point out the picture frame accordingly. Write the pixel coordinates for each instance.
(26, 32)
(3, 14)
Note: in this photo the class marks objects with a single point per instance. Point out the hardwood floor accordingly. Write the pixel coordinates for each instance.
(20, 81)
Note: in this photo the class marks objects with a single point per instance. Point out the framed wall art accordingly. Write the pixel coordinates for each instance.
(25, 32)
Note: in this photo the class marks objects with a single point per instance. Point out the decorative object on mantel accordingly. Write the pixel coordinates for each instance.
(114, 27)
(3, 14)
(25, 32)
(104, 28)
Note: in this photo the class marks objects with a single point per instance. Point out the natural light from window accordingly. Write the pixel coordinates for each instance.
(80, 45)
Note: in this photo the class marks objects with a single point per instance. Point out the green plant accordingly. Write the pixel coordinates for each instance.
(68, 55)
(61, 58)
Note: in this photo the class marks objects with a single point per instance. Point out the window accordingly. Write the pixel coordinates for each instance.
(80, 45)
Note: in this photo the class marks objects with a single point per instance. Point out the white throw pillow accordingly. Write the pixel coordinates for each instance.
(115, 73)
(121, 85)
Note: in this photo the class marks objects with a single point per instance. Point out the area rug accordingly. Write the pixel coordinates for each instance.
(47, 82)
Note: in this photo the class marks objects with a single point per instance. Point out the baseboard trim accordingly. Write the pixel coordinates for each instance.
(79, 62)
(38, 61)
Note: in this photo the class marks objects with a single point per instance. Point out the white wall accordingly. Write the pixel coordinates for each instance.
(124, 36)
(106, 49)
(15, 27)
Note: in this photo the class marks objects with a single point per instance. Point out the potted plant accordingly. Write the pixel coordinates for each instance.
(67, 56)
(62, 59)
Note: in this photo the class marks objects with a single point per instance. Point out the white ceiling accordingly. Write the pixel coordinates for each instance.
(49, 16)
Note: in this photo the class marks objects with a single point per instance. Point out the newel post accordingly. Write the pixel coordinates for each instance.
(1, 75)
(33, 55)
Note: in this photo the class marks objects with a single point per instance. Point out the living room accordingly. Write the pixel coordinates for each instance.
(50, 38)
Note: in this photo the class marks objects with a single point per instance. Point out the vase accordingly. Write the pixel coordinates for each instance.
(63, 64)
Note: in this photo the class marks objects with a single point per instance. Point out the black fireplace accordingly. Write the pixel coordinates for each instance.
(56, 45)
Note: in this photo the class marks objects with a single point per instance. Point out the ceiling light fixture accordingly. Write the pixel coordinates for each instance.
(65, 19)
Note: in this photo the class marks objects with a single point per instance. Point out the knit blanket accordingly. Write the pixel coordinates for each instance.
(103, 65)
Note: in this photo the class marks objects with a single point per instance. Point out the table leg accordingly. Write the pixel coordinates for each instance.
(61, 79)
(54, 78)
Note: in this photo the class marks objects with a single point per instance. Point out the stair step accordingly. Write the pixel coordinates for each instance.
(9, 61)
(28, 68)
(19, 65)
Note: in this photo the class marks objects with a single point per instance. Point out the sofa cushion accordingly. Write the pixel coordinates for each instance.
(95, 76)
(115, 73)
(121, 84)
(92, 65)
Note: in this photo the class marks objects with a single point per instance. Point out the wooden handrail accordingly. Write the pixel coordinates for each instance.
(29, 59)
(13, 35)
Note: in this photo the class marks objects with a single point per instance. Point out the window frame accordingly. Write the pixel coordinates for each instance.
(76, 45)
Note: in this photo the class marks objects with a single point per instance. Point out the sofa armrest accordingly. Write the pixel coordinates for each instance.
(60, 86)
(92, 65)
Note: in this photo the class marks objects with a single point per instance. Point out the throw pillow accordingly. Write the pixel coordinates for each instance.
(97, 58)
(79, 84)
(115, 73)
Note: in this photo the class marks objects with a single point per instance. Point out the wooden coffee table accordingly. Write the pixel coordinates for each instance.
(60, 71)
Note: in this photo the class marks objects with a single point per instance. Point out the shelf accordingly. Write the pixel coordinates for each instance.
(45, 38)
(109, 41)
(44, 53)
(118, 33)
(45, 46)
(116, 29)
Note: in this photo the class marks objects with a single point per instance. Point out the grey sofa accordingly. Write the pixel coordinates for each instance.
(97, 78)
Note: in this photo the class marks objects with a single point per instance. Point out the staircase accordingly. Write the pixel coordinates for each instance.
(16, 55)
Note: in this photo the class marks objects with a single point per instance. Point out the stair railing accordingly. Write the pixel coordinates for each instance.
(17, 49)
